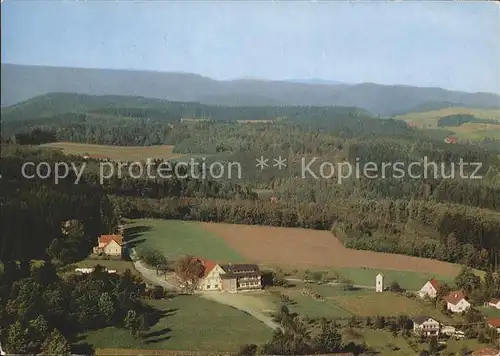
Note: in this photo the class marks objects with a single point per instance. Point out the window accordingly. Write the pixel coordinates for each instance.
(208, 286)
(216, 286)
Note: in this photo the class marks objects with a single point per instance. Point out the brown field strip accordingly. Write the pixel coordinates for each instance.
(115, 153)
(136, 352)
(313, 248)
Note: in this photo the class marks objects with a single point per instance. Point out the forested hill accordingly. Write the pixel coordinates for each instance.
(54, 104)
(20, 83)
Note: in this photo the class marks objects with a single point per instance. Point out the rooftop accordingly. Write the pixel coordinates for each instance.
(454, 297)
(422, 319)
(435, 283)
(106, 239)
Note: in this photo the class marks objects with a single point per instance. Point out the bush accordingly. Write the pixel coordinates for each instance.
(395, 287)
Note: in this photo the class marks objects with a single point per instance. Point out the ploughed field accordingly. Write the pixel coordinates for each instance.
(313, 248)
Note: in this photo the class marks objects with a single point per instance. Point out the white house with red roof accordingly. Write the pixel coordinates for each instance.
(429, 289)
(111, 245)
(456, 302)
(230, 277)
(494, 323)
(211, 277)
(494, 303)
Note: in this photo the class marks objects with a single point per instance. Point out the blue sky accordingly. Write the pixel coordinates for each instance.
(452, 45)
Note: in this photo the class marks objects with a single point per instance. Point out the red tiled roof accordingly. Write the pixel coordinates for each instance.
(435, 283)
(209, 265)
(454, 297)
(494, 322)
(106, 239)
(486, 352)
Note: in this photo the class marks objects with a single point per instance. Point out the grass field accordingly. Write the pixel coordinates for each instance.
(191, 323)
(430, 118)
(342, 304)
(176, 238)
(380, 340)
(406, 279)
(385, 344)
(490, 312)
(386, 304)
(476, 131)
(312, 308)
(116, 153)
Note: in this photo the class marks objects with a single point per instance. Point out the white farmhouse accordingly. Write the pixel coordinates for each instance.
(429, 289)
(456, 302)
(425, 325)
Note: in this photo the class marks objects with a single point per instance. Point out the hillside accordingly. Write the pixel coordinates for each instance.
(21, 82)
(430, 106)
(486, 132)
(432, 116)
(56, 104)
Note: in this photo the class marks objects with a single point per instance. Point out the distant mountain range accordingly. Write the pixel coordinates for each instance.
(315, 81)
(20, 82)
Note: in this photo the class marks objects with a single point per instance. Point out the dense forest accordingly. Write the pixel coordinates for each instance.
(42, 312)
(451, 218)
(460, 119)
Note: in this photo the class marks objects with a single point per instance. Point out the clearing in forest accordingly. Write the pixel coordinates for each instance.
(115, 153)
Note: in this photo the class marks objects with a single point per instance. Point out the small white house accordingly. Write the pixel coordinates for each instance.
(448, 330)
(429, 289)
(456, 302)
(111, 245)
(379, 283)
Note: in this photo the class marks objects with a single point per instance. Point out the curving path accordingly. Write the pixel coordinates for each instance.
(149, 274)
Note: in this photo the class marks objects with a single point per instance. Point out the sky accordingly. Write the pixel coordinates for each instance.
(453, 45)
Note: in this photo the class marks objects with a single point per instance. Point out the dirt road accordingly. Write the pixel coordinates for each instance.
(150, 275)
